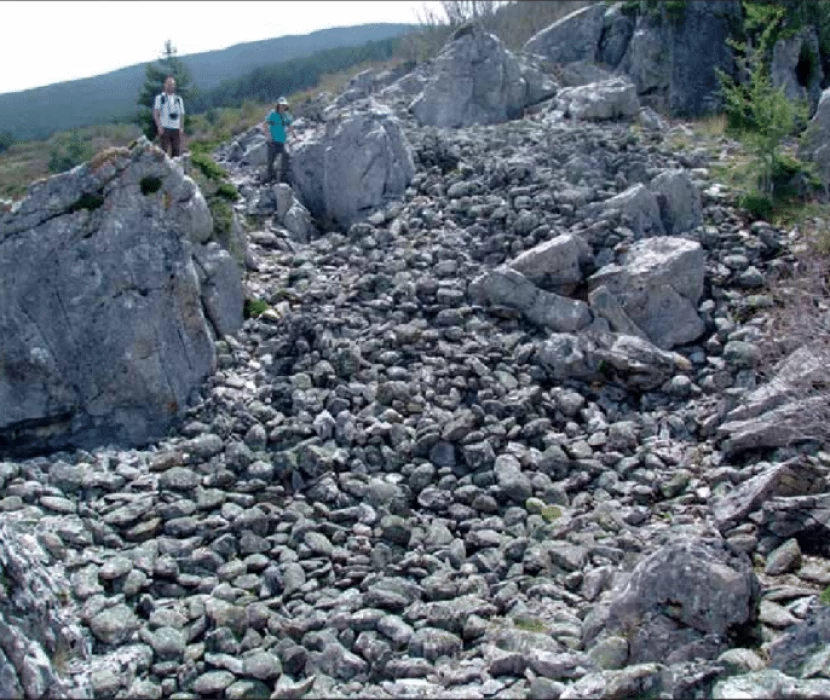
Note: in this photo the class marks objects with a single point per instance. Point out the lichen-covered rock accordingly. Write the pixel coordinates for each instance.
(42, 649)
(682, 602)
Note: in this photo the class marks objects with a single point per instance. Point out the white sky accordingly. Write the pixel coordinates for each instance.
(82, 38)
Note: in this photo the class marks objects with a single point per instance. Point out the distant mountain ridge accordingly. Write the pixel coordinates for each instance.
(38, 112)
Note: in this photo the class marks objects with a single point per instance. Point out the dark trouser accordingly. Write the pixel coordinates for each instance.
(172, 139)
(275, 148)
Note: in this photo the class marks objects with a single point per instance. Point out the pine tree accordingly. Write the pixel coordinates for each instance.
(168, 64)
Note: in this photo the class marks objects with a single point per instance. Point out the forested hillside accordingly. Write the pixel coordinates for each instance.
(266, 82)
(42, 111)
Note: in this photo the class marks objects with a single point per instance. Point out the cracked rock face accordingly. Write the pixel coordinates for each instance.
(112, 325)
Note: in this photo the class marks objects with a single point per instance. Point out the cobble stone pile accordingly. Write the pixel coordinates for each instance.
(396, 485)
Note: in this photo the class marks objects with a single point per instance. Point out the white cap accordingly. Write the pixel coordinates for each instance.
(282, 101)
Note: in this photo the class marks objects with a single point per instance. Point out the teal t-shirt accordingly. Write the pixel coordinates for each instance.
(277, 123)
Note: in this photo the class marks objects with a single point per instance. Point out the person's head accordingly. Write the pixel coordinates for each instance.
(282, 104)
(170, 85)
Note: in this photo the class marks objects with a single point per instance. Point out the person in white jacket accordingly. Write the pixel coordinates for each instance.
(168, 113)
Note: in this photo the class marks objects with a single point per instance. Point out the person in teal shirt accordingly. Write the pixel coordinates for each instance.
(278, 120)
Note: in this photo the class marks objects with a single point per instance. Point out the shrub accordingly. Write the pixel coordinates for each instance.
(254, 307)
(762, 118)
(65, 156)
(758, 204)
(222, 217)
(207, 166)
(6, 141)
(228, 191)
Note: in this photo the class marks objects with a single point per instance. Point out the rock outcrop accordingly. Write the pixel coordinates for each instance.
(111, 300)
(796, 68)
(671, 56)
(475, 80)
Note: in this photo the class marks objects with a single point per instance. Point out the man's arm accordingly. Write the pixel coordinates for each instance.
(264, 125)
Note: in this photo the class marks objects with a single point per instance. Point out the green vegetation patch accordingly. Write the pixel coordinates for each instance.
(207, 166)
(150, 185)
(89, 201)
(227, 190)
(824, 597)
(254, 307)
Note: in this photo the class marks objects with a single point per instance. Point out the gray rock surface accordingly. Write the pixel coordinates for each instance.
(353, 165)
(572, 38)
(815, 143)
(673, 61)
(683, 602)
(659, 286)
(106, 341)
(615, 98)
(784, 67)
(475, 80)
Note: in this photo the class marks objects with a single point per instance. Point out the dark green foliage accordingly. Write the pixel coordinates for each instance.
(6, 141)
(759, 205)
(824, 597)
(168, 64)
(265, 84)
(89, 201)
(227, 190)
(254, 307)
(207, 166)
(759, 113)
(150, 185)
(68, 153)
(793, 178)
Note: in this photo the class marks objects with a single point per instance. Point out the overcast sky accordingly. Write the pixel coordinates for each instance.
(50, 42)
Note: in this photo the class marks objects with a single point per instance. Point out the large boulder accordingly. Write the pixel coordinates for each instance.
(785, 409)
(352, 166)
(599, 356)
(659, 286)
(685, 601)
(680, 206)
(505, 286)
(673, 58)
(572, 38)
(110, 299)
(640, 209)
(615, 98)
(555, 265)
(475, 80)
